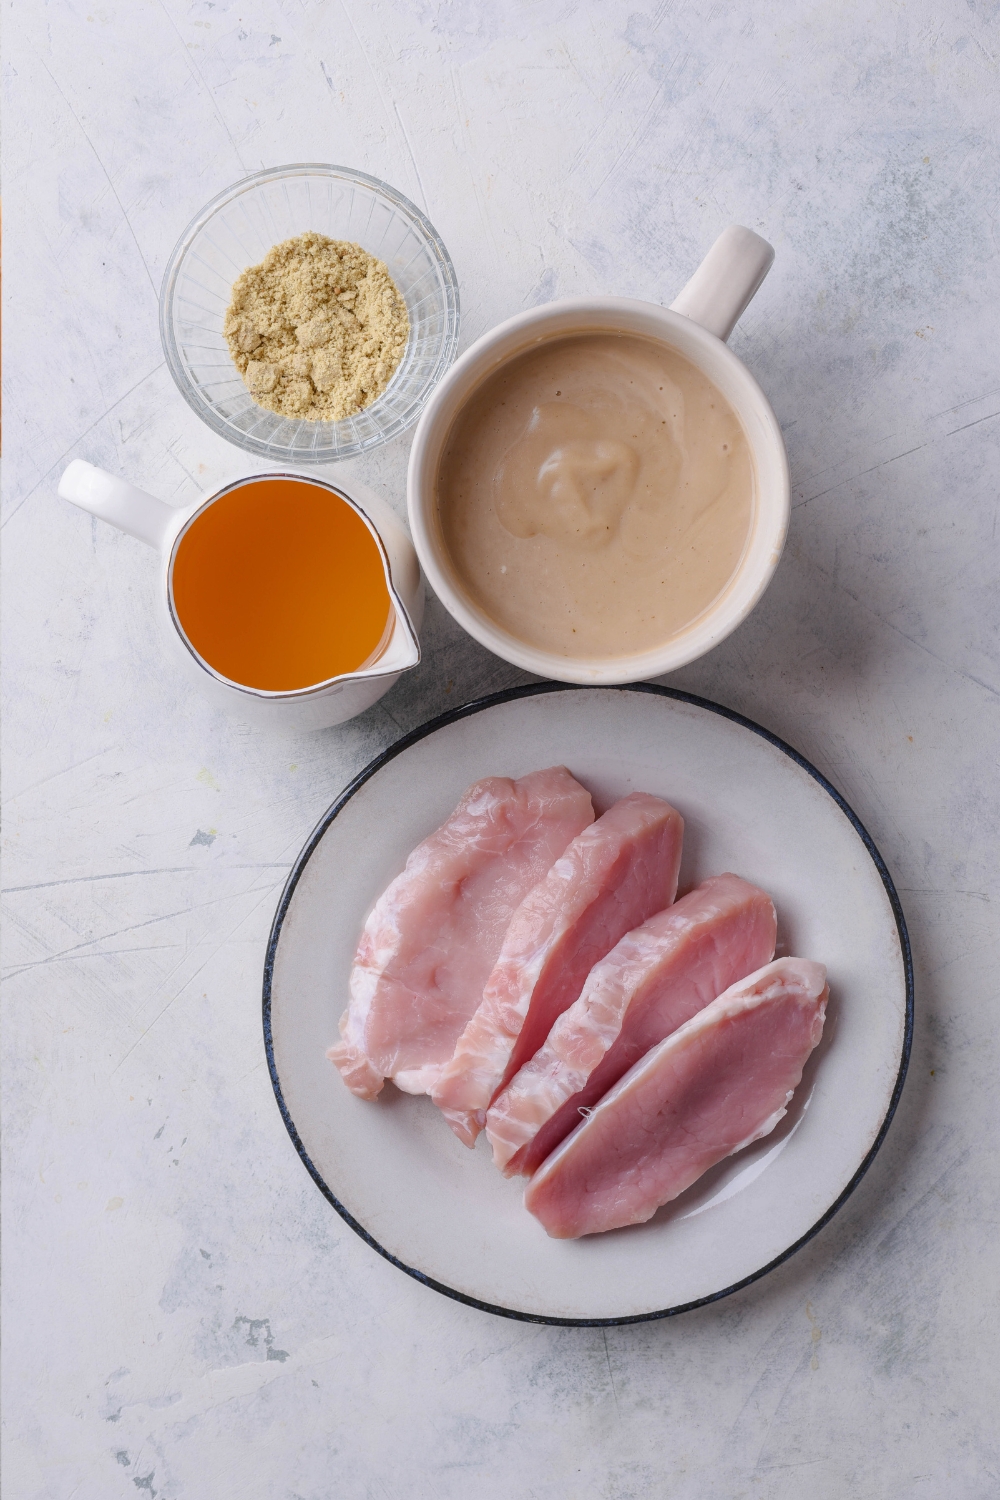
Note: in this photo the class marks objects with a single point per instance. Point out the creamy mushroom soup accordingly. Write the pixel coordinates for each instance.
(596, 494)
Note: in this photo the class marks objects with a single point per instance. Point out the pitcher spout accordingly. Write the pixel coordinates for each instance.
(400, 647)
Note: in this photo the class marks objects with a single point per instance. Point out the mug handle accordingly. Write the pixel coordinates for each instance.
(721, 289)
(117, 501)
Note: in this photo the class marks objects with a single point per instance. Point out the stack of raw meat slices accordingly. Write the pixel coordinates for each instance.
(533, 973)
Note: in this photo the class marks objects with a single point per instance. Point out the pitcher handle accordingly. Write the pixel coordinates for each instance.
(721, 289)
(117, 501)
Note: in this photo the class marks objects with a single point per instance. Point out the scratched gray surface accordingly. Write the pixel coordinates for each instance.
(185, 1316)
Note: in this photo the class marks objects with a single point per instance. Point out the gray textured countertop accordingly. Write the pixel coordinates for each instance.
(185, 1316)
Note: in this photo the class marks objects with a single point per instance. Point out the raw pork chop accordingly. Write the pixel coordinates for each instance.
(433, 936)
(723, 1080)
(654, 980)
(612, 877)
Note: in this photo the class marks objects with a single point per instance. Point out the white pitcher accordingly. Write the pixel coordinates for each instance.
(161, 526)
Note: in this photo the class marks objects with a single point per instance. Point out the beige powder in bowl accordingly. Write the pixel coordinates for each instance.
(317, 329)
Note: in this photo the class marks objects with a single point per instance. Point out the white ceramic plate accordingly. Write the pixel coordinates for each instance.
(443, 1213)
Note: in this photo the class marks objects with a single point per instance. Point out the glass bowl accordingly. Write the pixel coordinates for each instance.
(236, 230)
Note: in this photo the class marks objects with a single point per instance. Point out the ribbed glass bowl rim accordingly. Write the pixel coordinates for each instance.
(329, 451)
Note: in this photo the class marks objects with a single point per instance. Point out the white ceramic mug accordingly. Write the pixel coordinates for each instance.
(697, 325)
(162, 526)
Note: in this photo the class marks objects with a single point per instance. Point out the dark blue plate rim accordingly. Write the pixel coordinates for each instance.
(466, 711)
